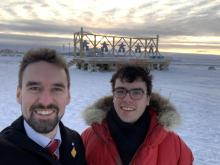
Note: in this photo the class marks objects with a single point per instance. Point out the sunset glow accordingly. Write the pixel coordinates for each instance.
(186, 26)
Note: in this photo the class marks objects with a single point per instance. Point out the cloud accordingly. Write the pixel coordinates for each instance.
(60, 20)
(184, 20)
(24, 42)
(171, 18)
(37, 26)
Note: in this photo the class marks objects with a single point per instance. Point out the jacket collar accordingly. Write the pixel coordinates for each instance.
(166, 112)
(16, 134)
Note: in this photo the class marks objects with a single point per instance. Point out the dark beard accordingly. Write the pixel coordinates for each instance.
(43, 126)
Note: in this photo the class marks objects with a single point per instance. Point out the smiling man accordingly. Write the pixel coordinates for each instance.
(133, 127)
(38, 136)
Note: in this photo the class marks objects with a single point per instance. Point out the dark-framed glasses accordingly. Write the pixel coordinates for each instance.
(135, 94)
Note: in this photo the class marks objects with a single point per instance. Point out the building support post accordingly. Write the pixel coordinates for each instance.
(130, 43)
(74, 42)
(81, 43)
(157, 52)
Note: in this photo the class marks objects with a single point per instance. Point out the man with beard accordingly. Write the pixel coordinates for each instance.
(38, 136)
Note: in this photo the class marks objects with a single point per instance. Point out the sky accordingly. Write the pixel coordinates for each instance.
(184, 26)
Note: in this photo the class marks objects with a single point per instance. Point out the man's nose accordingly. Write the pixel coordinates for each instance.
(45, 98)
(127, 97)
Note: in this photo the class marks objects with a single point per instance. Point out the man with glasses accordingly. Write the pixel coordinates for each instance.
(134, 126)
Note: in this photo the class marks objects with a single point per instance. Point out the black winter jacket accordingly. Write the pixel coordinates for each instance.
(17, 148)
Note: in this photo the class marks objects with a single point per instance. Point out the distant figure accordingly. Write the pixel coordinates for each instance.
(85, 45)
(151, 48)
(38, 137)
(138, 48)
(133, 126)
(104, 47)
(121, 47)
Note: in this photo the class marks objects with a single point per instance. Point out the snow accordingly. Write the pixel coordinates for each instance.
(188, 83)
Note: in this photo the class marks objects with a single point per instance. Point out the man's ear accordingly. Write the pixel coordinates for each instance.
(18, 94)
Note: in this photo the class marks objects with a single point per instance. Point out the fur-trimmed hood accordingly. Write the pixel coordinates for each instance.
(167, 114)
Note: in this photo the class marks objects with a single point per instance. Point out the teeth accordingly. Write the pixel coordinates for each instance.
(45, 112)
(127, 108)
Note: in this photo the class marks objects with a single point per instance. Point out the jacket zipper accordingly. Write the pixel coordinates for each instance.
(145, 142)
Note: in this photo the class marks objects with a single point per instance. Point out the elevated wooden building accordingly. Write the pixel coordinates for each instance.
(107, 52)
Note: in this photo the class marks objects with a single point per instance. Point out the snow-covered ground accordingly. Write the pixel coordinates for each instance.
(188, 83)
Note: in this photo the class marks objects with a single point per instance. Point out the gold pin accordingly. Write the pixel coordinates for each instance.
(73, 152)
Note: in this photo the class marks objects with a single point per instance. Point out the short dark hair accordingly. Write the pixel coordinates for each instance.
(131, 73)
(42, 54)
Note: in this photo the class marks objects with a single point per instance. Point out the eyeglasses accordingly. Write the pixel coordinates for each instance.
(135, 94)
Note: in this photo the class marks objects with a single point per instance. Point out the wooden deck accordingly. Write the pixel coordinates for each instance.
(98, 52)
(113, 63)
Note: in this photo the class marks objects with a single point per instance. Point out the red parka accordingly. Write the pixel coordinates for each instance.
(160, 147)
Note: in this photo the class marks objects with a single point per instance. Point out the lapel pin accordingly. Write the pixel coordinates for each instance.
(73, 151)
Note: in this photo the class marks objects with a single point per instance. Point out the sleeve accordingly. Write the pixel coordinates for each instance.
(186, 156)
(81, 154)
(85, 136)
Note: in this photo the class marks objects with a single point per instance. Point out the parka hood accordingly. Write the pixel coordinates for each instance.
(167, 115)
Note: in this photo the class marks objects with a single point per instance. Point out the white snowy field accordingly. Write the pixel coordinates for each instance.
(188, 83)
